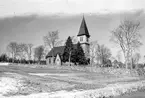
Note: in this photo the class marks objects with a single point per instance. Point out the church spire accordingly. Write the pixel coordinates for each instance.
(83, 29)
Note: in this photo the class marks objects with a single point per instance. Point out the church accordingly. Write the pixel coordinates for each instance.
(55, 54)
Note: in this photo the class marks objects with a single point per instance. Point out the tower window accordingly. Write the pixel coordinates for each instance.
(81, 38)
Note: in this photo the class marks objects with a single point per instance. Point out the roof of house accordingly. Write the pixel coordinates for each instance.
(55, 51)
(58, 50)
(83, 29)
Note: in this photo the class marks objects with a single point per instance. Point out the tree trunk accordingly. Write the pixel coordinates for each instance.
(70, 58)
(52, 55)
(126, 56)
(126, 61)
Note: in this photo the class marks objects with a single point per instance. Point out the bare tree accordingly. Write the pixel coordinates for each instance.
(74, 39)
(12, 48)
(52, 40)
(118, 56)
(39, 52)
(127, 36)
(93, 46)
(30, 51)
(135, 59)
(22, 52)
(103, 53)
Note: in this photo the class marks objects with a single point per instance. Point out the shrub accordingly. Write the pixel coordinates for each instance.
(121, 65)
(43, 62)
(3, 58)
(108, 63)
(141, 71)
(115, 64)
(140, 65)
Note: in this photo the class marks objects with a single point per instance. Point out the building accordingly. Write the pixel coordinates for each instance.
(55, 55)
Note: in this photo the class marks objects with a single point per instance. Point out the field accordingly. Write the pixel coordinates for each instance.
(19, 80)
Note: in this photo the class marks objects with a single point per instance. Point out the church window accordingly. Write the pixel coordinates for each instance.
(81, 38)
(49, 60)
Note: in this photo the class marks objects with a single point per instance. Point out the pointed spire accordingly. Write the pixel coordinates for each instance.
(83, 28)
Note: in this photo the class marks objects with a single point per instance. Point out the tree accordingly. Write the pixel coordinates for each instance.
(30, 51)
(93, 46)
(118, 56)
(115, 64)
(3, 58)
(52, 40)
(127, 36)
(12, 48)
(68, 50)
(135, 59)
(22, 51)
(80, 55)
(74, 39)
(103, 53)
(38, 54)
(108, 63)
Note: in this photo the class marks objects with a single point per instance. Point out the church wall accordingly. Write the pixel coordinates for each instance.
(58, 60)
(49, 61)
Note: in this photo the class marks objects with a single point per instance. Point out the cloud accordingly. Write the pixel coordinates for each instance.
(22, 7)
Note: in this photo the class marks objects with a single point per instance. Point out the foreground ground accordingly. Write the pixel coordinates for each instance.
(138, 94)
(18, 80)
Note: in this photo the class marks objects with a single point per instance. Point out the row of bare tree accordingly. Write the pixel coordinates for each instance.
(20, 51)
(99, 53)
(24, 51)
(127, 36)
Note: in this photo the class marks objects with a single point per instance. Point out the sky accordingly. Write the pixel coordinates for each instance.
(27, 21)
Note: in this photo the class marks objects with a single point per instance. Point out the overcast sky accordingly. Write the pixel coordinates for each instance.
(29, 20)
(9, 7)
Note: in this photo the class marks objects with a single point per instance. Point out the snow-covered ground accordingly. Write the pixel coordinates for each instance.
(20, 82)
(7, 85)
(4, 63)
(56, 74)
(10, 85)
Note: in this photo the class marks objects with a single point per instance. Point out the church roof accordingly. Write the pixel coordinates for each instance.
(83, 29)
(57, 50)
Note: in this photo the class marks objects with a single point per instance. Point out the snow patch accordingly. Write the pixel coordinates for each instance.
(8, 85)
(1, 64)
(46, 74)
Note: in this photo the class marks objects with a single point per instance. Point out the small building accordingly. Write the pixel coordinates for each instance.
(55, 54)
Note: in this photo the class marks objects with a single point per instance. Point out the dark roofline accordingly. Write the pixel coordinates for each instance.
(83, 29)
(54, 51)
(57, 50)
(83, 34)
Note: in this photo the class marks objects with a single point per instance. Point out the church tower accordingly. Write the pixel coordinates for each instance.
(83, 37)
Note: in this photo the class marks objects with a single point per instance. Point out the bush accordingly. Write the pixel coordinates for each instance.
(3, 58)
(121, 65)
(108, 63)
(141, 71)
(115, 64)
(43, 62)
(140, 65)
